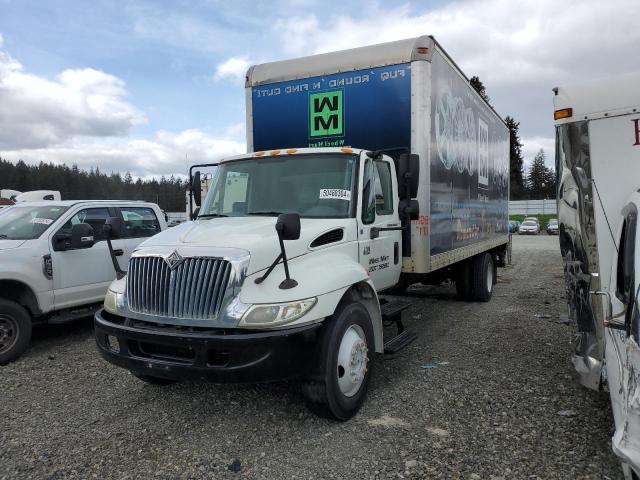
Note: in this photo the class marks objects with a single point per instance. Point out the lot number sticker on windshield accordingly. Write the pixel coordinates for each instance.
(335, 193)
(42, 221)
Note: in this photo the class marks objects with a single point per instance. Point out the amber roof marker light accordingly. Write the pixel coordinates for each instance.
(563, 113)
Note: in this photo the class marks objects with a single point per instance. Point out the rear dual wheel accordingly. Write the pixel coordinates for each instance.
(476, 278)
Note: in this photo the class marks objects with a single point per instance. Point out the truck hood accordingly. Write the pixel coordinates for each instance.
(8, 244)
(256, 235)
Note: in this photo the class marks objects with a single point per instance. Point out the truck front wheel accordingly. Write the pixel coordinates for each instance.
(15, 330)
(483, 277)
(344, 349)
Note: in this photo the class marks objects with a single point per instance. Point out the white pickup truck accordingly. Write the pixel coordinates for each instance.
(54, 262)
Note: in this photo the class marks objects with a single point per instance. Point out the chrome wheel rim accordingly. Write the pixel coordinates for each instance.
(352, 361)
(8, 332)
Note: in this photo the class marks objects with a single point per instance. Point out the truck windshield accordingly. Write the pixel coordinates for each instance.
(28, 222)
(314, 186)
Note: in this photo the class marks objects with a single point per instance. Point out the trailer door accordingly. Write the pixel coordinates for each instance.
(380, 251)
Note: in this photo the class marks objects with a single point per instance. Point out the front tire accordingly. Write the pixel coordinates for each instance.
(343, 364)
(15, 330)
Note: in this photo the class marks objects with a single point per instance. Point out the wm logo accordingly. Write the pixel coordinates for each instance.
(325, 114)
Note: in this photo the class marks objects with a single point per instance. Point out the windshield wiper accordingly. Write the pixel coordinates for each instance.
(211, 215)
(2, 235)
(266, 213)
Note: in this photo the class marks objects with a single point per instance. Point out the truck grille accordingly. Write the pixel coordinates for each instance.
(195, 289)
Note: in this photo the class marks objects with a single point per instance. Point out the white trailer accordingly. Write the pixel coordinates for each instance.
(598, 166)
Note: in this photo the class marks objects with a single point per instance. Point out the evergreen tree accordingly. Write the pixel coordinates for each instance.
(541, 180)
(479, 86)
(76, 184)
(516, 162)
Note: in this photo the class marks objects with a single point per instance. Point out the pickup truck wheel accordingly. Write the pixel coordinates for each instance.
(344, 363)
(483, 277)
(154, 380)
(15, 330)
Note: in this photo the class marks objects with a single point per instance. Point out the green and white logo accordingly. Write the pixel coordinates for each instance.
(325, 114)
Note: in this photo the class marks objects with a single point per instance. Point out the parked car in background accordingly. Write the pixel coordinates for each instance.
(54, 262)
(552, 227)
(529, 227)
(513, 226)
(531, 219)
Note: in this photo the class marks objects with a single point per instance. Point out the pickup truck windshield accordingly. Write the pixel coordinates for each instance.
(29, 222)
(314, 186)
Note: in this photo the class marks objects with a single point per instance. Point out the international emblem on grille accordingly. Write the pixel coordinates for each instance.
(174, 260)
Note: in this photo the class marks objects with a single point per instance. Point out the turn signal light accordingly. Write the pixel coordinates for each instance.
(347, 150)
(563, 113)
(422, 50)
(275, 152)
(259, 154)
(292, 150)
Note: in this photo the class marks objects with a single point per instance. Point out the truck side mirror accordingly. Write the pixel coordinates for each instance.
(82, 236)
(288, 226)
(113, 228)
(196, 188)
(408, 175)
(410, 209)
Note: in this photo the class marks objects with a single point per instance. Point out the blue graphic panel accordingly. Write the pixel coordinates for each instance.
(363, 109)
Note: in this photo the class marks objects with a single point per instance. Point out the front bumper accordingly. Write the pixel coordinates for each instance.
(209, 355)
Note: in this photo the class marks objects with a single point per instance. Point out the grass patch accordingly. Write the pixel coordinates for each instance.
(542, 218)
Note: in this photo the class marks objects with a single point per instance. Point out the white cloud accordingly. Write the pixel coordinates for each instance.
(506, 43)
(37, 112)
(234, 68)
(166, 153)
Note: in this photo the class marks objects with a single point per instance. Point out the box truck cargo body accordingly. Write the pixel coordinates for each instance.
(405, 96)
(598, 168)
(368, 170)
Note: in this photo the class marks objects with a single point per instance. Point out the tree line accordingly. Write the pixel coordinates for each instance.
(76, 184)
(539, 181)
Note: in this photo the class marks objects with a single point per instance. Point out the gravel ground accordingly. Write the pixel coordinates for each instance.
(486, 391)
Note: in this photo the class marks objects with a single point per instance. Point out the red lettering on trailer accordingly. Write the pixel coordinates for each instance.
(636, 125)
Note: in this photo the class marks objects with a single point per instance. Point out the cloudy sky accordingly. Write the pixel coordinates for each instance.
(148, 87)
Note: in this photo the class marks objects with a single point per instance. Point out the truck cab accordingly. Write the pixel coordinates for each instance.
(219, 279)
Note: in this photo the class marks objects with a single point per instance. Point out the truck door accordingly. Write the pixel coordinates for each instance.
(380, 250)
(621, 343)
(140, 223)
(81, 276)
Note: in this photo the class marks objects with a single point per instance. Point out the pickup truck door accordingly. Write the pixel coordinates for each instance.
(81, 276)
(622, 352)
(380, 250)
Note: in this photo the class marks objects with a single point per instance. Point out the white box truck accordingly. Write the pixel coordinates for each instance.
(598, 167)
(368, 170)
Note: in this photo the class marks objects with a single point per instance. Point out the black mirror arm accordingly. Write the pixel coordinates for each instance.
(269, 270)
(116, 266)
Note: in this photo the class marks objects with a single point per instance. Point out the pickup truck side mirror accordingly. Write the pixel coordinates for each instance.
(82, 236)
(113, 228)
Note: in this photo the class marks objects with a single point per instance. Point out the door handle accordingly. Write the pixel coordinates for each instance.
(118, 252)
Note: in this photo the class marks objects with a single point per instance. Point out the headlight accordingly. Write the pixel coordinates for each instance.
(111, 302)
(264, 316)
